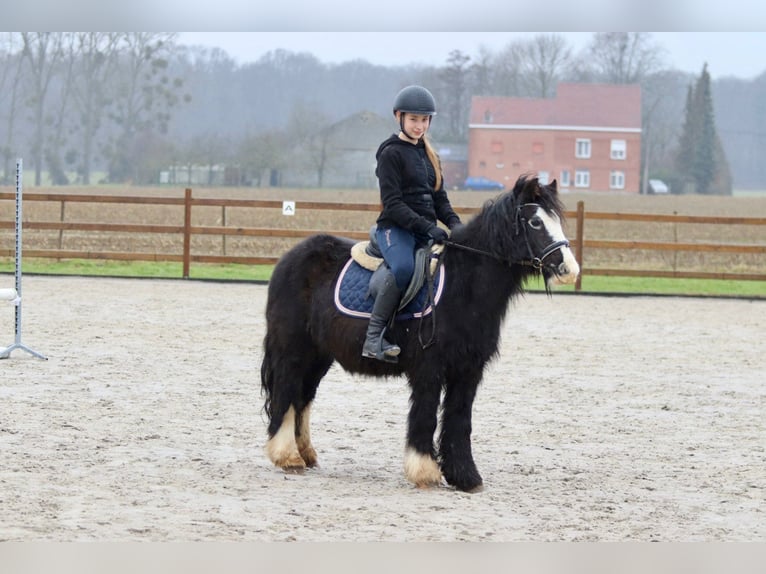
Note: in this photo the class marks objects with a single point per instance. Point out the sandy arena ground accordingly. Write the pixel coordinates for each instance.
(603, 419)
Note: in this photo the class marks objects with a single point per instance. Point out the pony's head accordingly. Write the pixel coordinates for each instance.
(524, 226)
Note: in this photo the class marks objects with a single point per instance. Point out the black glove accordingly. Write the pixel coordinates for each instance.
(438, 234)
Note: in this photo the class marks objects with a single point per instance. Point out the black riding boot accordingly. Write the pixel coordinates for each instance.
(386, 302)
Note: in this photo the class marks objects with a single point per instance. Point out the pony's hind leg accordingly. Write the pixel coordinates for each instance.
(289, 445)
(282, 448)
(315, 372)
(303, 438)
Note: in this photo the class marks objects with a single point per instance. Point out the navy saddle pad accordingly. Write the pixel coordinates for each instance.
(351, 294)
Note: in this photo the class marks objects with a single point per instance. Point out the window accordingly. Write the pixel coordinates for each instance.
(564, 181)
(617, 180)
(618, 149)
(542, 177)
(582, 148)
(582, 178)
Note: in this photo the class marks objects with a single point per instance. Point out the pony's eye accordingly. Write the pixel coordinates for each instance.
(536, 223)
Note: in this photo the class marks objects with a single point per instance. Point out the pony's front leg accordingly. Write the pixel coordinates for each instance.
(455, 454)
(420, 466)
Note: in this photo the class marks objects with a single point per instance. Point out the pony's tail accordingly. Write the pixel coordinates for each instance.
(267, 377)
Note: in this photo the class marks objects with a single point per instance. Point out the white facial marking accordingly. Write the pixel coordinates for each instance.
(570, 269)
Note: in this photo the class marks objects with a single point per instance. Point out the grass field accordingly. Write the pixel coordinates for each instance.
(741, 205)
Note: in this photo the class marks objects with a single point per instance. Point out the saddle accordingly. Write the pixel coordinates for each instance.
(365, 264)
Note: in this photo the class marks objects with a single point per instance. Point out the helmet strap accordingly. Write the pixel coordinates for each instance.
(401, 126)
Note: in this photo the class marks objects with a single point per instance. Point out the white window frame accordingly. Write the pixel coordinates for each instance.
(565, 180)
(619, 149)
(617, 180)
(543, 177)
(582, 178)
(582, 148)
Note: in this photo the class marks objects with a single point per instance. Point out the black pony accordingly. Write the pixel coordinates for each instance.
(486, 263)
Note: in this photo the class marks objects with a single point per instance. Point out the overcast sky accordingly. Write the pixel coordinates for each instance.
(727, 34)
(739, 54)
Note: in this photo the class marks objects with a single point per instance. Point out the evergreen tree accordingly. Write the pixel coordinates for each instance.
(685, 156)
(700, 160)
(703, 163)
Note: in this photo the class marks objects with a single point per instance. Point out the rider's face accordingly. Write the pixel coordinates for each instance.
(415, 125)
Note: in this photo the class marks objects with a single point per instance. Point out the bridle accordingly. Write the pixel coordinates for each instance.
(534, 261)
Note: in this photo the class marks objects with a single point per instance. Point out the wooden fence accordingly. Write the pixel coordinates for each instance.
(185, 229)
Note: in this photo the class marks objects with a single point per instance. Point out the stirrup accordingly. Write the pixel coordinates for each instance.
(389, 355)
(381, 357)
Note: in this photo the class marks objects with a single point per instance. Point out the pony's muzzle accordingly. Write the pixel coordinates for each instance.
(567, 271)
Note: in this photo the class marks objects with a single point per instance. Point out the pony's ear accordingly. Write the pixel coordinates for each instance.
(554, 186)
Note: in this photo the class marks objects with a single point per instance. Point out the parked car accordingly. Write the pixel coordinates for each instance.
(658, 186)
(481, 183)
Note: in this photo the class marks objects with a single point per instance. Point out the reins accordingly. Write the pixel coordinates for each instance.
(534, 261)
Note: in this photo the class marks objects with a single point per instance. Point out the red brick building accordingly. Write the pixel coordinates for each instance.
(587, 138)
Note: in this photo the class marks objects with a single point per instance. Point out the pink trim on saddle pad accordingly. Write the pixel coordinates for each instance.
(366, 315)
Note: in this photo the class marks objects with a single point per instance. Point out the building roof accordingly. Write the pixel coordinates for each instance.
(575, 105)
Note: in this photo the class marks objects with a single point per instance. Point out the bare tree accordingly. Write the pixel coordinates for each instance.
(455, 106)
(545, 59)
(482, 72)
(308, 130)
(262, 153)
(58, 119)
(662, 106)
(624, 57)
(509, 71)
(42, 52)
(97, 53)
(11, 66)
(143, 96)
(205, 149)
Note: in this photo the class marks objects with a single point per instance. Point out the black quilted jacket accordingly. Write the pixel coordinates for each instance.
(406, 179)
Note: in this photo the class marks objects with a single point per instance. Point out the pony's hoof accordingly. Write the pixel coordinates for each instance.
(294, 469)
(309, 456)
(476, 489)
(468, 487)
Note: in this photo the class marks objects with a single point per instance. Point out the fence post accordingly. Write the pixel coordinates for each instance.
(187, 232)
(580, 239)
(62, 217)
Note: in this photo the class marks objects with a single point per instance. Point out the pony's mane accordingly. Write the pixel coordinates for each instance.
(527, 189)
(495, 224)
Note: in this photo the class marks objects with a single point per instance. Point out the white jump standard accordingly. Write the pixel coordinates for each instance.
(14, 294)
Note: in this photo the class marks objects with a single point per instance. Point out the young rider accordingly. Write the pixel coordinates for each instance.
(413, 197)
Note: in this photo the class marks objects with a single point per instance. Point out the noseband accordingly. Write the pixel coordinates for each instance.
(534, 261)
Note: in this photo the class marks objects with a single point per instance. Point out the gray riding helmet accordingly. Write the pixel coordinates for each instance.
(415, 100)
